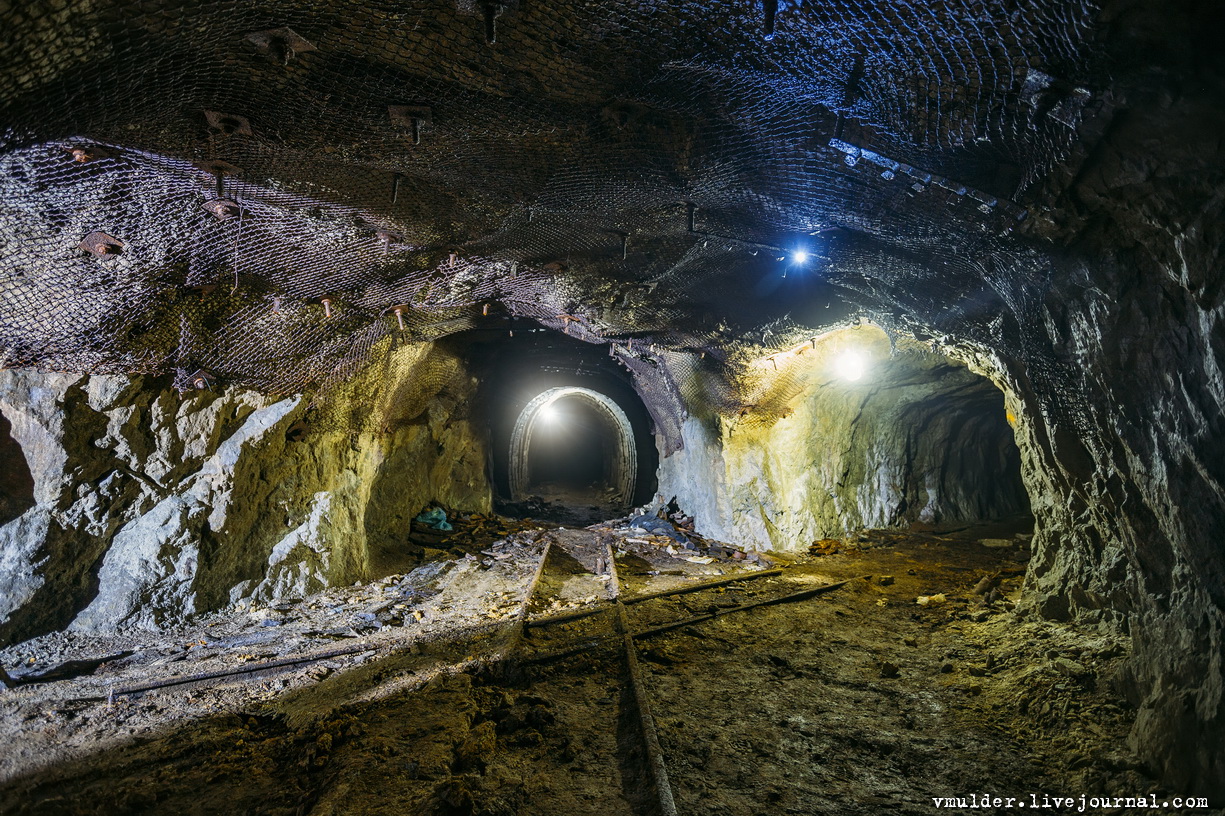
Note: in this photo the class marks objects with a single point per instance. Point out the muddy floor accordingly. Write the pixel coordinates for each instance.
(510, 692)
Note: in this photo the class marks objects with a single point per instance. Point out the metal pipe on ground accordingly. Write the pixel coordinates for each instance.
(594, 643)
(636, 599)
(655, 754)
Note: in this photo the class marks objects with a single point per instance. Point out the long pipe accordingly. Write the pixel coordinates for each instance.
(655, 753)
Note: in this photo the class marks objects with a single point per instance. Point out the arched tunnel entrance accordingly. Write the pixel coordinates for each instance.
(906, 436)
(938, 444)
(576, 446)
(570, 439)
(931, 442)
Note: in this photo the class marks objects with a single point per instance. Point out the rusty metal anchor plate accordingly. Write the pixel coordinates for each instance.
(217, 167)
(282, 44)
(223, 208)
(102, 245)
(201, 379)
(230, 124)
(84, 153)
(408, 116)
(203, 290)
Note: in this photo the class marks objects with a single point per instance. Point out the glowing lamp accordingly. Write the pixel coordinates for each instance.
(851, 365)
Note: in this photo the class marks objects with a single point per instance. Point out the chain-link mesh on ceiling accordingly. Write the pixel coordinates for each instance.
(263, 192)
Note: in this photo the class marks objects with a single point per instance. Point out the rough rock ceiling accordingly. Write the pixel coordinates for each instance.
(630, 173)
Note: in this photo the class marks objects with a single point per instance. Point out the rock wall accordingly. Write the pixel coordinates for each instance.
(919, 438)
(1126, 471)
(1106, 335)
(16, 482)
(1137, 521)
(149, 506)
(1129, 462)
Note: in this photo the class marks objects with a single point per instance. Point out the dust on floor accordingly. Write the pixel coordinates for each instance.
(856, 701)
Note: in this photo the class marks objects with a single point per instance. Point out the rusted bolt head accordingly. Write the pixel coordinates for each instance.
(228, 123)
(217, 167)
(100, 244)
(222, 208)
(88, 153)
(203, 289)
(282, 43)
(201, 379)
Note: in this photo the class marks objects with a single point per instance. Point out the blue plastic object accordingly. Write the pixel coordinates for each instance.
(435, 518)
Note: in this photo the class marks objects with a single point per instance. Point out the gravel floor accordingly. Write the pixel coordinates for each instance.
(860, 700)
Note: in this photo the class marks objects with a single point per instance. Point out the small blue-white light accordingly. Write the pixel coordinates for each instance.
(799, 256)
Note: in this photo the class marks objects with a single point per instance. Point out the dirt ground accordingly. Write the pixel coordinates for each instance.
(860, 700)
(564, 504)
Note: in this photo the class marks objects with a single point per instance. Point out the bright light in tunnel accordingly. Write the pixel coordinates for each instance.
(851, 365)
(548, 415)
(799, 256)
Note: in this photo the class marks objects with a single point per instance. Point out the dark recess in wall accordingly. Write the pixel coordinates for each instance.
(513, 370)
(16, 482)
(960, 448)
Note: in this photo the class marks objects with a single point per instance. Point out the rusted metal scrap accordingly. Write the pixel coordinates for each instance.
(650, 735)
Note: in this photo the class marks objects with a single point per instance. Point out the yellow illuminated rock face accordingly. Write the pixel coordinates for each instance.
(190, 502)
(917, 437)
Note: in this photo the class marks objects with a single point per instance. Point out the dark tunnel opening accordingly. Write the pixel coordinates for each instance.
(586, 439)
(935, 440)
(904, 436)
(571, 459)
(16, 481)
(963, 464)
(571, 452)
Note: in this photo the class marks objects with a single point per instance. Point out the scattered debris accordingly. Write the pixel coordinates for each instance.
(825, 546)
(439, 686)
(63, 671)
(987, 583)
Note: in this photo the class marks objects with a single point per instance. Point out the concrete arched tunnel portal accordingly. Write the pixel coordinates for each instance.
(620, 458)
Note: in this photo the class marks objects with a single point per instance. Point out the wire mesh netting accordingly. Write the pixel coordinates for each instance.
(264, 193)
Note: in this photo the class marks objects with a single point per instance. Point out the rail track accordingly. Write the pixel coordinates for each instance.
(587, 661)
(617, 624)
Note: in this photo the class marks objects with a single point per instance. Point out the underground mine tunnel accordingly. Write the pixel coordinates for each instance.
(569, 437)
(455, 407)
